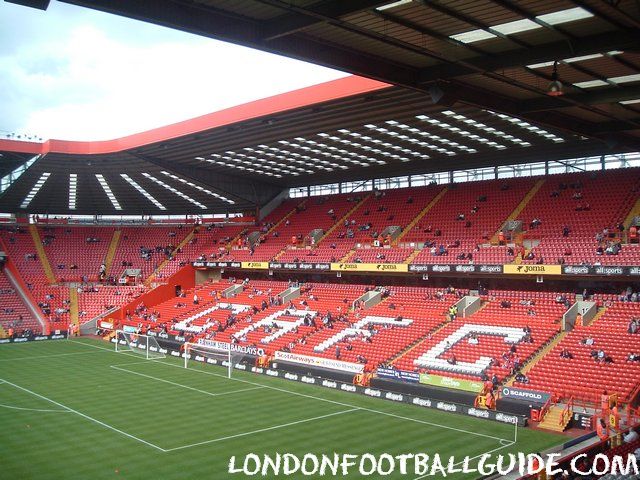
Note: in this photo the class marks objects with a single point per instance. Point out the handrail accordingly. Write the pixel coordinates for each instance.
(634, 393)
(633, 416)
(545, 409)
(567, 411)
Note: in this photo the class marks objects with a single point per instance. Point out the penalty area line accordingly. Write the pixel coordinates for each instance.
(204, 392)
(87, 417)
(335, 402)
(321, 399)
(35, 357)
(267, 429)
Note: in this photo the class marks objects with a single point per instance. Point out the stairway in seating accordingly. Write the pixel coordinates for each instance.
(553, 420)
(347, 256)
(521, 206)
(74, 318)
(341, 220)
(113, 248)
(529, 364)
(634, 212)
(37, 241)
(411, 257)
(601, 311)
(279, 254)
(234, 240)
(181, 245)
(279, 222)
(422, 213)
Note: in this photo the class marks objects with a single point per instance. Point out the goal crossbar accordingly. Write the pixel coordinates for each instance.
(138, 343)
(223, 352)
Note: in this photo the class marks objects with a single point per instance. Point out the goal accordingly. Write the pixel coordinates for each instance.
(139, 344)
(227, 355)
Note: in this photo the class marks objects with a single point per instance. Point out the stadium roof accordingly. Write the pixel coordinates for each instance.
(453, 85)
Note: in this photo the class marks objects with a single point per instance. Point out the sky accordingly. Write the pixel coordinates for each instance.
(72, 73)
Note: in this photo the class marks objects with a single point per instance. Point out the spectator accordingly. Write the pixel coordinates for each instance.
(589, 341)
(632, 436)
(565, 353)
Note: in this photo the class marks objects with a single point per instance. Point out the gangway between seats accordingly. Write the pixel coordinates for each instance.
(586, 310)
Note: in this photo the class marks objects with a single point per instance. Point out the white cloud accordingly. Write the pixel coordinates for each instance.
(103, 77)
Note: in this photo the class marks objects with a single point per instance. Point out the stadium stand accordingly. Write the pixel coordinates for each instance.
(586, 376)
(410, 320)
(208, 242)
(517, 310)
(14, 314)
(577, 213)
(76, 253)
(146, 248)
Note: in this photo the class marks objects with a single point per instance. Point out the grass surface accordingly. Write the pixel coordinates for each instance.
(76, 409)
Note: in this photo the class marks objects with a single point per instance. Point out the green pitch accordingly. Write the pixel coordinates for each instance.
(76, 409)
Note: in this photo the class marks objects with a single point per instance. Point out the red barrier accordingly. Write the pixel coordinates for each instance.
(185, 277)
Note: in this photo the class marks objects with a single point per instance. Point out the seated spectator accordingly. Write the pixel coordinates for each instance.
(565, 353)
(632, 436)
(521, 378)
(633, 357)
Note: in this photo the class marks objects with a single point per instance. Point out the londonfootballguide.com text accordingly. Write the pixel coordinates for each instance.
(423, 465)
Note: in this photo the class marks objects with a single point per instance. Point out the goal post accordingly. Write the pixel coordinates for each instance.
(139, 344)
(210, 355)
(227, 355)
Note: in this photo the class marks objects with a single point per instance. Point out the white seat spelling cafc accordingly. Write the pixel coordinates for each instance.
(283, 326)
(358, 329)
(184, 324)
(432, 358)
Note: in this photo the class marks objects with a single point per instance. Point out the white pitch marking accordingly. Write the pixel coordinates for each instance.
(215, 440)
(185, 386)
(86, 416)
(43, 410)
(48, 356)
(388, 414)
(446, 427)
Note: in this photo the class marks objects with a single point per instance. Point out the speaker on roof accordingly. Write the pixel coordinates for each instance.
(39, 4)
(436, 93)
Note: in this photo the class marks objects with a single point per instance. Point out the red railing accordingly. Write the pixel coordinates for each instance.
(567, 411)
(545, 409)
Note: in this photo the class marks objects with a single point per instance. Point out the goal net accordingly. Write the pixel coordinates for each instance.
(139, 344)
(228, 356)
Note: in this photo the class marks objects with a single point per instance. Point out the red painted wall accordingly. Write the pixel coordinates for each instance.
(185, 277)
